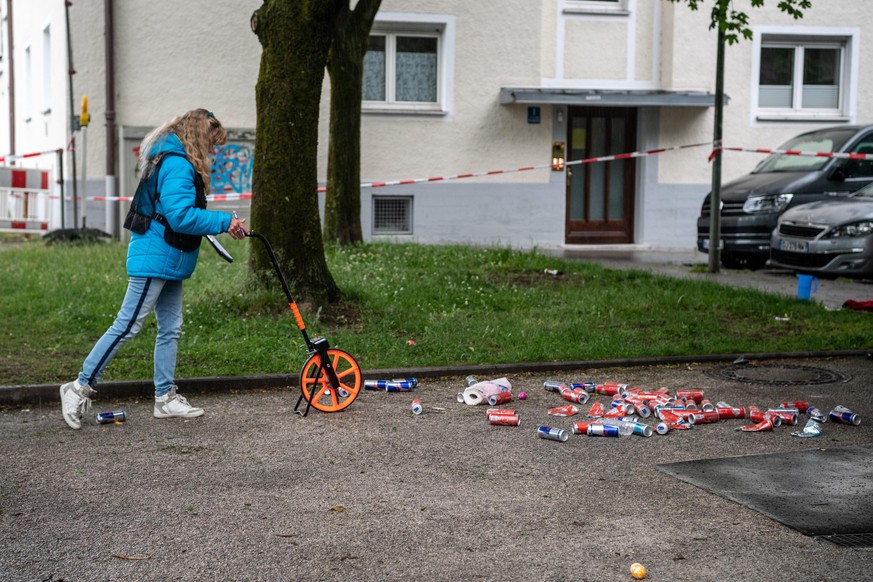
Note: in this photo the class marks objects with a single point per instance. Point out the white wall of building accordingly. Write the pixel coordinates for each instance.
(172, 56)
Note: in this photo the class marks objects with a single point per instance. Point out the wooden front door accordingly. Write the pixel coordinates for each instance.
(600, 195)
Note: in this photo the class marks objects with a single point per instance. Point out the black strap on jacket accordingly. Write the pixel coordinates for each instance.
(143, 208)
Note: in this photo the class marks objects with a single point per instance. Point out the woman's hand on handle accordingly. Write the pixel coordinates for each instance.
(237, 228)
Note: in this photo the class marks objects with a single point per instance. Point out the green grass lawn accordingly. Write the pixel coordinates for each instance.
(405, 305)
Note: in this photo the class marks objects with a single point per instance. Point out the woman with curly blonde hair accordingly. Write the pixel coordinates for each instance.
(163, 251)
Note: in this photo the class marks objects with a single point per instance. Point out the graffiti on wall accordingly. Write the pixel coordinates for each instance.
(232, 168)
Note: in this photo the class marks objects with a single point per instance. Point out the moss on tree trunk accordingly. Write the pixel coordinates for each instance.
(295, 36)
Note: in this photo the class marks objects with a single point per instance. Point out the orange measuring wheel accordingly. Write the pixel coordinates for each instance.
(330, 379)
(316, 385)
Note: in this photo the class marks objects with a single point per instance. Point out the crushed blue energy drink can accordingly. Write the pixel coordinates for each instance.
(398, 385)
(552, 434)
(110, 417)
(816, 414)
(843, 415)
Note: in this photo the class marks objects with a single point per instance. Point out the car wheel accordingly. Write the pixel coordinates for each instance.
(743, 261)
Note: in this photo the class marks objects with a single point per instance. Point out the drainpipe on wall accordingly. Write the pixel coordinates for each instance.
(11, 57)
(111, 141)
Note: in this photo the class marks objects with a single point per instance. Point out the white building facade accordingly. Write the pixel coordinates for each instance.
(451, 88)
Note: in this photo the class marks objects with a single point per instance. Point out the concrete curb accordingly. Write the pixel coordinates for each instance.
(40, 394)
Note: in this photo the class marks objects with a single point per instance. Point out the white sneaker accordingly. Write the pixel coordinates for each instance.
(174, 405)
(75, 400)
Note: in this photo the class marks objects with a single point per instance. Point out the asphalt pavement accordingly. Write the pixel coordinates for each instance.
(253, 491)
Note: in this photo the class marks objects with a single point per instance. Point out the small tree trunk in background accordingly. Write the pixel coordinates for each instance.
(342, 211)
(295, 36)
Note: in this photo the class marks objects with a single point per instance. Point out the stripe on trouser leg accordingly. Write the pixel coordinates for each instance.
(130, 325)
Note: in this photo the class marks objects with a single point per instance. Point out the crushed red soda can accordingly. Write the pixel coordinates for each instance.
(500, 398)
(706, 405)
(580, 427)
(801, 405)
(730, 412)
(690, 395)
(705, 416)
(760, 416)
(624, 406)
(491, 411)
(568, 410)
(596, 410)
(610, 388)
(766, 424)
(577, 396)
(615, 413)
(788, 416)
(504, 420)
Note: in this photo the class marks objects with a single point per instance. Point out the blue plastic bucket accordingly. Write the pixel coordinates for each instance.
(806, 286)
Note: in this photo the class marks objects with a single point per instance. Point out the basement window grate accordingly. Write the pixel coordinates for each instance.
(392, 214)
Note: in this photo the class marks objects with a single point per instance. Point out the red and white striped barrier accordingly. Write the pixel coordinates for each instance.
(845, 156)
(24, 179)
(611, 158)
(24, 203)
(13, 157)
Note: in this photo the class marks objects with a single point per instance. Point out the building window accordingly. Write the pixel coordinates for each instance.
(802, 77)
(404, 69)
(392, 214)
(47, 69)
(595, 7)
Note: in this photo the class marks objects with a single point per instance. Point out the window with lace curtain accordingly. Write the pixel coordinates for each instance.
(402, 72)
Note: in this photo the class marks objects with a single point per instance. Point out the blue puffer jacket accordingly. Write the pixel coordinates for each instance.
(148, 255)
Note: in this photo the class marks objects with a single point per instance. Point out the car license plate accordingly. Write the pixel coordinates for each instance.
(794, 246)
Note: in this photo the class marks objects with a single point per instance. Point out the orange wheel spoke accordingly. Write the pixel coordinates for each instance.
(315, 386)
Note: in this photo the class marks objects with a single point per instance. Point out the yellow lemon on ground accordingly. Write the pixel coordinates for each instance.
(638, 571)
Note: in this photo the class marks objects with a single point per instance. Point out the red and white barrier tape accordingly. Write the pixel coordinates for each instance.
(846, 156)
(616, 157)
(14, 157)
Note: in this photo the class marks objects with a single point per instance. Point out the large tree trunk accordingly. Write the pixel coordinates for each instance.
(295, 36)
(342, 214)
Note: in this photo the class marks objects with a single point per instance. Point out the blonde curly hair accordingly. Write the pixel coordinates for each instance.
(199, 131)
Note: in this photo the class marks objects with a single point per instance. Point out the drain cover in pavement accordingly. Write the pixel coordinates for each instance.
(826, 493)
(779, 375)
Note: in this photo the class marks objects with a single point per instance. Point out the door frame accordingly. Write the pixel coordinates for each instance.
(605, 231)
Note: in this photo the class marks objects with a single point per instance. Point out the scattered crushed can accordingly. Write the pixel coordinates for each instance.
(552, 434)
(504, 419)
(417, 407)
(110, 417)
(604, 430)
(843, 415)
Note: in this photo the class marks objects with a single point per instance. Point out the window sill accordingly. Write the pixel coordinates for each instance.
(836, 118)
(389, 110)
(598, 11)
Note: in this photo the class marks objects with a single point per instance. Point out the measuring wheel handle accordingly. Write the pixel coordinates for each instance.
(330, 379)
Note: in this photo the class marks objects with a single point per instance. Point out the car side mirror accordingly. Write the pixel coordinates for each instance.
(840, 171)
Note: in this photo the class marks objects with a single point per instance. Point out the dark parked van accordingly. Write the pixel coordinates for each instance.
(751, 205)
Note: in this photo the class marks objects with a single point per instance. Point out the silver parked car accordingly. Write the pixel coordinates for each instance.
(829, 238)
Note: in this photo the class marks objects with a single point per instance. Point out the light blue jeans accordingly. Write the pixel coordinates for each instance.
(144, 294)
